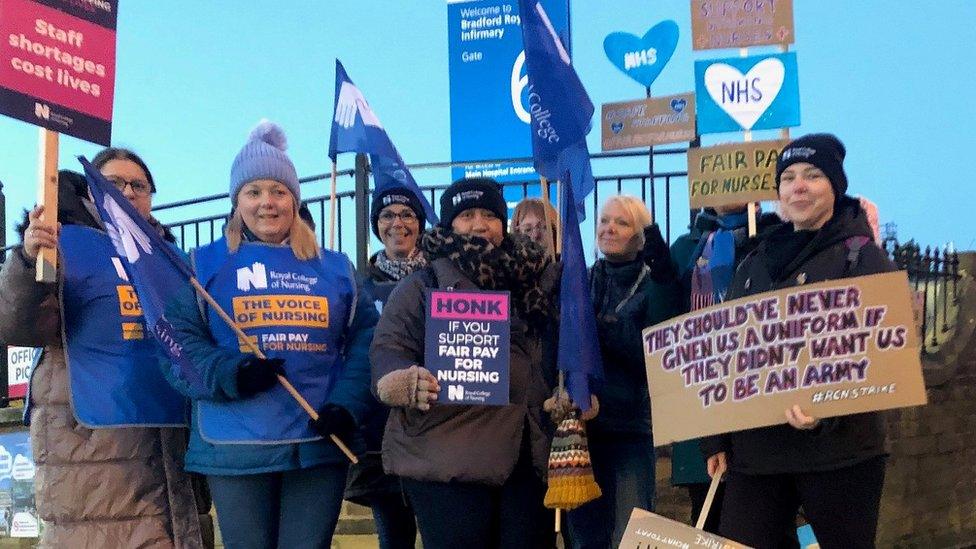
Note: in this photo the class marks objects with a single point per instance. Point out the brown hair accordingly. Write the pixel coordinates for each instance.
(543, 210)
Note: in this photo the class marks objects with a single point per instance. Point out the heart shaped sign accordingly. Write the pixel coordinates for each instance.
(616, 127)
(745, 97)
(643, 59)
(678, 105)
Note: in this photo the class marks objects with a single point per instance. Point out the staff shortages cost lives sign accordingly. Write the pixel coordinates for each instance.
(57, 65)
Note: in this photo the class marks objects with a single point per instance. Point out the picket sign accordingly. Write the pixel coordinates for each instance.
(747, 137)
(47, 196)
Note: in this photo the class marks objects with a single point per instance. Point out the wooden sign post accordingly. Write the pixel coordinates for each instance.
(47, 196)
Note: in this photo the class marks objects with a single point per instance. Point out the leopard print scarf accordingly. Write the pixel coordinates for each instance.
(516, 266)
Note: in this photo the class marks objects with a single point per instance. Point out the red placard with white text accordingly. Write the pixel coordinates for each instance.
(57, 65)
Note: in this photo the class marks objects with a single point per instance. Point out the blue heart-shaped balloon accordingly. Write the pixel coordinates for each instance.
(678, 105)
(643, 58)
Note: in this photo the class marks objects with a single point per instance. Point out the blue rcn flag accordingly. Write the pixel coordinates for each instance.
(356, 128)
(560, 108)
(154, 268)
(579, 347)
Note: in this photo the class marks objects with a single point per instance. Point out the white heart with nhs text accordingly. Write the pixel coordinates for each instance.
(745, 97)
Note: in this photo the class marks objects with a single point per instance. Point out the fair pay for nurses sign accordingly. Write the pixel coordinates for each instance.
(467, 345)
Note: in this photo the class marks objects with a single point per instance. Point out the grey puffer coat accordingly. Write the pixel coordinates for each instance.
(117, 487)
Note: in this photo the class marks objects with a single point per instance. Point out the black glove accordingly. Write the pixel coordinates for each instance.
(255, 375)
(657, 256)
(334, 420)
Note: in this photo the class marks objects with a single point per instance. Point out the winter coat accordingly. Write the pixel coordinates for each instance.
(687, 461)
(218, 365)
(367, 478)
(836, 442)
(627, 299)
(460, 443)
(106, 487)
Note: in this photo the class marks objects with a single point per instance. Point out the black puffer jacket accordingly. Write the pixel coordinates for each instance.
(785, 259)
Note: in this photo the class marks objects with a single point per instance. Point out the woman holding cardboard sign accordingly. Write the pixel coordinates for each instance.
(277, 478)
(473, 473)
(833, 468)
(107, 432)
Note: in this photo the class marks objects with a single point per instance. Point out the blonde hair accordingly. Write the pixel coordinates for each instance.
(636, 210)
(301, 237)
(544, 211)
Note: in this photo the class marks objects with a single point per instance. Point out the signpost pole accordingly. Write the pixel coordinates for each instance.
(650, 165)
(332, 209)
(47, 196)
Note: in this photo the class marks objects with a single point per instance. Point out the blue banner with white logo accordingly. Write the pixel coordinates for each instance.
(747, 93)
(488, 85)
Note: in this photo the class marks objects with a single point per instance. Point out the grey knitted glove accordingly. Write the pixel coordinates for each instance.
(413, 387)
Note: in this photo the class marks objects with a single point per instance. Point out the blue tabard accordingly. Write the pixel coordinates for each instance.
(113, 361)
(293, 309)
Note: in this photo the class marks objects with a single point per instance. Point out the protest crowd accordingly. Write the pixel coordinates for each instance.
(263, 376)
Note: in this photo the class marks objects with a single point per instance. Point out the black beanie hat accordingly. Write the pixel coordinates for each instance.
(824, 151)
(476, 192)
(395, 195)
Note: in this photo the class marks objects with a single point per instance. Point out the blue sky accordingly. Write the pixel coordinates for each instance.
(889, 78)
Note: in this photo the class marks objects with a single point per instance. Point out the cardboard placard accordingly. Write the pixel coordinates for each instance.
(835, 348)
(20, 362)
(467, 345)
(648, 122)
(717, 24)
(734, 173)
(747, 93)
(646, 530)
(57, 65)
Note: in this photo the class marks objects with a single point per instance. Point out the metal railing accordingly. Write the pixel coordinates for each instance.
(934, 277)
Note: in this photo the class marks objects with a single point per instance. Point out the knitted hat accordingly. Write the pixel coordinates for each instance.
(476, 192)
(394, 195)
(263, 157)
(571, 481)
(824, 151)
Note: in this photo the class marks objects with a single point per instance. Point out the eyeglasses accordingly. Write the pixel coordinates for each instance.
(139, 187)
(406, 216)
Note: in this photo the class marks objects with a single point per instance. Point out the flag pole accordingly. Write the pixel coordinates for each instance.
(332, 207)
(257, 352)
(550, 236)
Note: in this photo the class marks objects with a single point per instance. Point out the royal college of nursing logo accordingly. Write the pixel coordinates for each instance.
(253, 277)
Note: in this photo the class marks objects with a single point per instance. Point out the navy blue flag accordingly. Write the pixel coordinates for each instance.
(157, 272)
(560, 108)
(356, 128)
(579, 347)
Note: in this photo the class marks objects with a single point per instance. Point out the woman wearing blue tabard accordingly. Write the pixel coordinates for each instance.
(276, 478)
(107, 433)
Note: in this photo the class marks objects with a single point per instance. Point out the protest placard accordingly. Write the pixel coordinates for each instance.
(57, 65)
(717, 24)
(645, 530)
(467, 345)
(835, 348)
(734, 173)
(20, 362)
(747, 93)
(648, 122)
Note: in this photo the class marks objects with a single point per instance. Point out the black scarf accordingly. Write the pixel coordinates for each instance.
(516, 266)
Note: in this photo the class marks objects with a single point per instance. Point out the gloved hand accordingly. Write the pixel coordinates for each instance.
(413, 387)
(334, 420)
(255, 375)
(657, 255)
